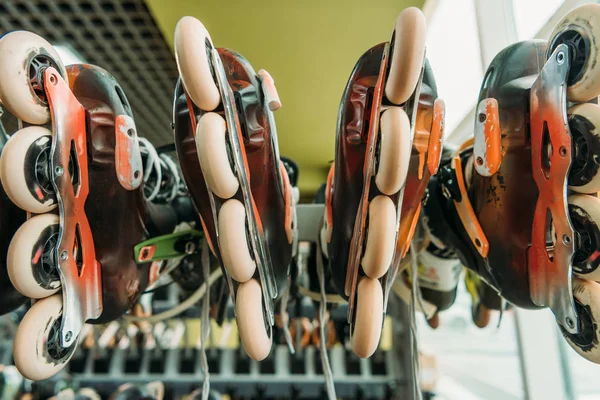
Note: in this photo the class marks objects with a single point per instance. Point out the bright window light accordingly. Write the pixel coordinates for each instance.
(531, 15)
(453, 50)
(68, 54)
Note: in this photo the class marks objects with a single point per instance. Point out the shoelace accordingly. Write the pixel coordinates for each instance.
(205, 320)
(417, 298)
(329, 384)
(155, 168)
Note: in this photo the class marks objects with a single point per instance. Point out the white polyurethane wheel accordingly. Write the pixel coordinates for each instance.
(591, 206)
(193, 63)
(30, 348)
(24, 256)
(18, 162)
(584, 20)
(369, 317)
(591, 112)
(407, 55)
(211, 145)
(587, 344)
(233, 242)
(381, 237)
(250, 320)
(394, 153)
(18, 49)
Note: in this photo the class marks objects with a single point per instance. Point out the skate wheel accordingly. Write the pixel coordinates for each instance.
(250, 320)
(381, 237)
(368, 321)
(584, 123)
(21, 86)
(30, 261)
(587, 303)
(408, 51)
(394, 151)
(192, 45)
(580, 31)
(584, 213)
(211, 144)
(233, 241)
(37, 350)
(24, 170)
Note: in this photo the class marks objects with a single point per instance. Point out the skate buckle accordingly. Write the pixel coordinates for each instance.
(269, 89)
(128, 159)
(169, 246)
(466, 212)
(75, 253)
(434, 153)
(551, 149)
(487, 147)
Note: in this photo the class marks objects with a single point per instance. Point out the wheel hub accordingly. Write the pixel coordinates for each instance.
(583, 166)
(586, 239)
(53, 346)
(587, 331)
(37, 66)
(42, 170)
(578, 50)
(48, 261)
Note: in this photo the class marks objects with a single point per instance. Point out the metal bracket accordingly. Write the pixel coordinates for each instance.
(550, 274)
(487, 146)
(81, 287)
(257, 236)
(128, 158)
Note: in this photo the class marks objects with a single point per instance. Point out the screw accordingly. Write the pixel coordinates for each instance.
(130, 132)
(144, 254)
(566, 239)
(64, 255)
(479, 161)
(53, 79)
(560, 58)
(570, 323)
(68, 336)
(482, 117)
(562, 151)
(58, 170)
(190, 247)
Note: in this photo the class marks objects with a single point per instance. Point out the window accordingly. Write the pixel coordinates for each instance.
(532, 15)
(453, 51)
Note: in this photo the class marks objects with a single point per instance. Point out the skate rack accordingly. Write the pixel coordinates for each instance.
(282, 375)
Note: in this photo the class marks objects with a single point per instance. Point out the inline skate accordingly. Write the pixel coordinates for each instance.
(75, 167)
(518, 202)
(389, 136)
(227, 147)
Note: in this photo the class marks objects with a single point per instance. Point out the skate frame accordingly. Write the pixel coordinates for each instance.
(257, 237)
(550, 275)
(81, 290)
(358, 237)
